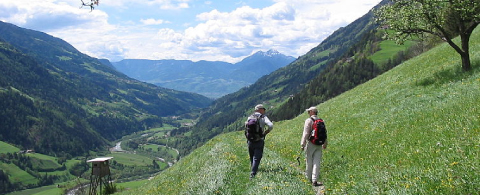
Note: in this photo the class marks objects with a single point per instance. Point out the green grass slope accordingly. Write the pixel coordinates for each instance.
(412, 130)
(6, 148)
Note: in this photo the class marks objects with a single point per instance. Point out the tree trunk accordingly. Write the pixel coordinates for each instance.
(466, 66)
(463, 51)
(465, 38)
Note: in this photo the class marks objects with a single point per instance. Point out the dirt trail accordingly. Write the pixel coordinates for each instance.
(320, 190)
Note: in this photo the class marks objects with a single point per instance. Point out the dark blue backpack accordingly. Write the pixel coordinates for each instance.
(253, 131)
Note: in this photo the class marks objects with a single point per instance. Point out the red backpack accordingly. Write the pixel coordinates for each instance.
(318, 136)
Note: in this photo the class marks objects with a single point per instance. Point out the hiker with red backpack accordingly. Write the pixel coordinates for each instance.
(314, 140)
(255, 132)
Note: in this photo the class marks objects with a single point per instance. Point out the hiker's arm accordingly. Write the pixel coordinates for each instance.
(307, 128)
(269, 124)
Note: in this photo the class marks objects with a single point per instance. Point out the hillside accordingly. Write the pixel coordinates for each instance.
(412, 130)
(59, 101)
(209, 78)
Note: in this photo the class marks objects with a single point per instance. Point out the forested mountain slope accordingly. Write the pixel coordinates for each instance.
(45, 125)
(412, 130)
(59, 101)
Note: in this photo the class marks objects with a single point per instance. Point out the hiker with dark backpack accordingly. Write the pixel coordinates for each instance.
(314, 140)
(257, 127)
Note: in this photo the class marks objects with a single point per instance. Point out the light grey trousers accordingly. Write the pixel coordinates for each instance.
(313, 154)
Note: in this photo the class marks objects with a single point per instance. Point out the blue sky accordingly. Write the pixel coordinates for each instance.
(214, 30)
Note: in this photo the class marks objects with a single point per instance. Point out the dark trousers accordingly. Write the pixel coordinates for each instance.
(255, 150)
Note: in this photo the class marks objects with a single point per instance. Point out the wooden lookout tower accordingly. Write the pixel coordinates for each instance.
(100, 175)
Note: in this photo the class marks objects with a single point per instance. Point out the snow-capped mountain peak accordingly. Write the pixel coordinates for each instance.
(269, 53)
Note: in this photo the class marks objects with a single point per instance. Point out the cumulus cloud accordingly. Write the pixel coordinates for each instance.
(152, 21)
(281, 26)
(166, 4)
(292, 27)
(47, 15)
(129, 5)
(111, 50)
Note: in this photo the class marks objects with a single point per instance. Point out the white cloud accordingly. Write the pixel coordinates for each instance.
(163, 4)
(167, 4)
(292, 27)
(48, 15)
(152, 21)
(281, 26)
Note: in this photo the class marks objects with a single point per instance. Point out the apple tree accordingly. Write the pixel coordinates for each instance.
(447, 19)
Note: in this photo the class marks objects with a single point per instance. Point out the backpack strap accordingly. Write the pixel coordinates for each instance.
(313, 123)
(260, 118)
(311, 129)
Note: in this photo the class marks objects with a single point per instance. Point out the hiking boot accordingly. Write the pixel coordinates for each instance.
(315, 183)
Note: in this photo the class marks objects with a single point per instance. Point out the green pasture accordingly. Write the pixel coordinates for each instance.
(388, 49)
(45, 190)
(16, 174)
(131, 159)
(152, 147)
(72, 162)
(171, 152)
(412, 130)
(155, 147)
(160, 134)
(43, 163)
(42, 156)
(7, 148)
(132, 184)
(166, 127)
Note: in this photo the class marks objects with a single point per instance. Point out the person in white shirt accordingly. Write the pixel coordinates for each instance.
(313, 153)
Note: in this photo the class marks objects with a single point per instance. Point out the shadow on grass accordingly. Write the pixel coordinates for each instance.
(451, 74)
(273, 169)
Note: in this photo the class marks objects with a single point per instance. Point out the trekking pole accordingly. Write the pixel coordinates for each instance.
(298, 157)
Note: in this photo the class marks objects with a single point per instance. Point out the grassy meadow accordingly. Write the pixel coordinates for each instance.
(412, 130)
(16, 174)
(7, 148)
(45, 190)
(389, 47)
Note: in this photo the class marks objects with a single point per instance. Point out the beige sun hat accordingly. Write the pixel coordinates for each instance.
(313, 108)
(259, 106)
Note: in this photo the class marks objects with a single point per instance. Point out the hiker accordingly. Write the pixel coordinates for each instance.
(313, 152)
(257, 127)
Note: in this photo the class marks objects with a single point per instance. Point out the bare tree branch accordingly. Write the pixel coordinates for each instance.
(90, 4)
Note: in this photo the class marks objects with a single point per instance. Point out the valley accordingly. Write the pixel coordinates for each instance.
(61, 108)
(136, 157)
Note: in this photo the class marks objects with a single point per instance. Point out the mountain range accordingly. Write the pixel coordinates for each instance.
(209, 78)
